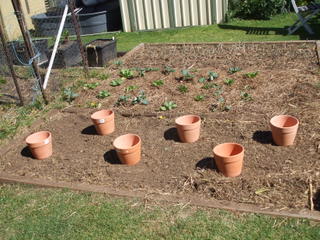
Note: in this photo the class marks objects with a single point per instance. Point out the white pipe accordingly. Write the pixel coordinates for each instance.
(55, 48)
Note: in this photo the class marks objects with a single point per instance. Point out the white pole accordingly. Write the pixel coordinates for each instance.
(55, 48)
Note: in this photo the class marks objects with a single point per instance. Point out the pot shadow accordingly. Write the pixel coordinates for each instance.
(111, 157)
(171, 134)
(316, 200)
(207, 163)
(91, 130)
(26, 153)
(264, 137)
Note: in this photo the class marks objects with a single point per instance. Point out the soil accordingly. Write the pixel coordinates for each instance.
(273, 176)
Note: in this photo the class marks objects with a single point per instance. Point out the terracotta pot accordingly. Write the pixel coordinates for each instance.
(284, 129)
(40, 144)
(229, 158)
(128, 148)
(103, 121)
(188, 127)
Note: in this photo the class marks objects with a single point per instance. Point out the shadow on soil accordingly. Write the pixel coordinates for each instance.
(264, 137)
(89, 130)
(316, 200)
(171, 134)
(111, 157)
(26, 153)
(207, 163)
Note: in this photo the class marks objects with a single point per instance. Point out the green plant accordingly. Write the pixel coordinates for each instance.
(167, 70)
(202, 80)
(69, 95)
(245, 96)
(131, 88)
(118, 62)
(210, 85)
(168, 105)
(183, 89)
(199, 98)
(233, 70)
(65, 36)
(90, 85)
(93, 105)
(140, 99)
(212, 76)
(158, 83)
(122, 100)
(103, 76)
(126, 73)
(186, 75)
(218, 92)
(2, 80)
(116, 82)
(103, 94)
(251, 74)
(229, 81)
(142, 71)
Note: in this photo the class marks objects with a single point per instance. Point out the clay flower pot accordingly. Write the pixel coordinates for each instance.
(284, 129)
(128, 148)
(103, 121)
(40, 144)
(188, 127)
(229, 158)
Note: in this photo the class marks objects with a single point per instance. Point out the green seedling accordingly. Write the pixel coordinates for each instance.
(142, 71)
(118, 62)
(168, 105)
(90, 85)
(140, 99)
(122, 100)
(167, 70)
(131, 88)
(251, 74)
(218, 92)
(245, 96)
(229, 81)
(103, 76)
(210, 85)
(103, 94)
(233, 70)
(202, 80)
(93, 105)
(69, 95)
(183, 89)
(212, 76)
(116, 82)
(158, 83)
(186, 75)
(227, 108)
(199, 98)
(3, 80)
(126, 73)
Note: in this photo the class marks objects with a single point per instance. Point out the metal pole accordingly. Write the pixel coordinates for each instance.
(77, 30)
(10, 63)
(27, 41)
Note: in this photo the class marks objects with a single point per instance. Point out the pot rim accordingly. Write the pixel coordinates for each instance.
(93, 115)
(186, 116)
(122, 136)
(284, 115)
(39, 142)
(233, 156)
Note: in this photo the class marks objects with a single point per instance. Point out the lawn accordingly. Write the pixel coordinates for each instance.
(34, 213)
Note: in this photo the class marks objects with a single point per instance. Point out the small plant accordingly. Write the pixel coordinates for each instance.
(202, 80)
(142, 71)
(3, 80)
(140, 99)
(233, 70)
(212, 76)
(186, 75)
(122, 100)
(131, 88)
(65, 36)
(103, 94)
(227, 108)
(245, 96)
(199, 98)
(168, 105)
(229, 81)
(251, 74)
(118, 63)
(158, 83)
(116, 82)
(90, 85)
(210, 85)
(126, 73)
(218, 92)
(103, 76)
(167, 70)
(69, 95)
(93, 105)
(183, 89)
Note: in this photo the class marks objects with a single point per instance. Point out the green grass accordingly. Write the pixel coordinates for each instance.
(235, 30)
(33, 213)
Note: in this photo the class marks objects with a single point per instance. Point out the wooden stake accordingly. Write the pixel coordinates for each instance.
(311, 194)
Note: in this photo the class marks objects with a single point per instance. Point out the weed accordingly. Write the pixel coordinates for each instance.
(130, 88)
(69, 95)
(168, 105)
(212, 76)
(122, 100)
(140, 99)
(167, 70)
(199, 98)
(93, 105)
(233, 70)
(116, 82)
(210, 85)
(186, 75)
(118, 63)
(229, 81)
(93, 74)
(103, 94)
(158, 83)
(245, 96)
(90, 85)
(251, 74)
(126, 73)
(103, 76)
(183, 89)
(202, 80)
(3, 80)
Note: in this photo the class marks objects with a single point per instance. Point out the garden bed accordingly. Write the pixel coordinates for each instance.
(287, 81)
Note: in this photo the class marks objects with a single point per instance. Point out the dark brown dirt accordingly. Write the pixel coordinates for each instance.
(275, 177)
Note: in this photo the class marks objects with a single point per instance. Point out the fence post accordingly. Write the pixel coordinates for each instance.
(27, 41)
(10, 63)
(77, 30)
